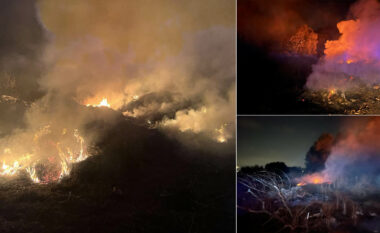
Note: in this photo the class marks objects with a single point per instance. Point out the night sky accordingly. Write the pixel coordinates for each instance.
(264, 139)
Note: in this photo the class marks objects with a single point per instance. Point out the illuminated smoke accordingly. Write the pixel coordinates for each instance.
(155, 62)
(355, 54)
(304, 41)
(355, 153)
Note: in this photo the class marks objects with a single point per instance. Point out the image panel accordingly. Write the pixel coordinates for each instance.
(117, 116)
(308, 57)
(308, 174)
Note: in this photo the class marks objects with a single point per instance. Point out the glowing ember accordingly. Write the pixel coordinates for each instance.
(331, 93)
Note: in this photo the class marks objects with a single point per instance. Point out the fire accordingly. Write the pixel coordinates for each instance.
(50, 156)
(355, 53)
(221, 135)
(316, 178)
(103, 103)
(331, 93)
(221, 139)
(9, 170)
(32, 174)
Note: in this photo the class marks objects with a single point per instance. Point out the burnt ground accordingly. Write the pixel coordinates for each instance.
(139, 181)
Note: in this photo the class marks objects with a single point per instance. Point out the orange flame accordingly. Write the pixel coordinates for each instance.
(331, 93)
(66, 150)
(103, 103)
(316, 178)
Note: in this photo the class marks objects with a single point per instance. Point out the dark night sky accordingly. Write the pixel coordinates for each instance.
(264, 139)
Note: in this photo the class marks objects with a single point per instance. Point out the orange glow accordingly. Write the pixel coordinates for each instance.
(103, 103)
(316, 178)
(57, 151)
(331, 93)
(304, 41)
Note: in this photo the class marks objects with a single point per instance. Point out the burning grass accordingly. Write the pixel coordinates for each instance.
(268, 202)
(136, 182)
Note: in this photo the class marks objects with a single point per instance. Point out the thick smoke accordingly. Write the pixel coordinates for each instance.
(355, 55)
(271, 24)
(355, 153)
(22, 42)
(169, 66)
(318, 153)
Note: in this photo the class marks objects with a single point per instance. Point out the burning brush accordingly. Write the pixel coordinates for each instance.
(346, 79)
(47, 158)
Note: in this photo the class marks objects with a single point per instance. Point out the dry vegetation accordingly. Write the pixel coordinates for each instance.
(268, 202)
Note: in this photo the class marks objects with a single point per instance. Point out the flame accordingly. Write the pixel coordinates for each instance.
(221, 139)
(64, 148)
(221, 134)
(9, 170)
(331, 93)
(315, 178)
(103, 103)
(32, 174)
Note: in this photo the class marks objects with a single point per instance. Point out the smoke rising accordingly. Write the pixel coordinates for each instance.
(170, 66)
(355, 54)
(318, 153)
(355, 152)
